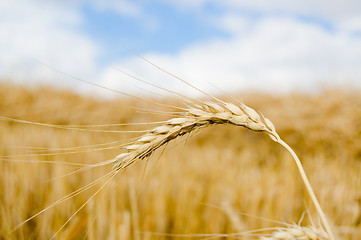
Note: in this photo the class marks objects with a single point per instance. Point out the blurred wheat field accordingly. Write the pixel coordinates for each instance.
(185, 190)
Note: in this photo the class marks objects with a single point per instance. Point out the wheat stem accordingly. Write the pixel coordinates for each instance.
(309, 188)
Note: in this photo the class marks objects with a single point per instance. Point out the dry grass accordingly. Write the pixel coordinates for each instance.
(153, 200)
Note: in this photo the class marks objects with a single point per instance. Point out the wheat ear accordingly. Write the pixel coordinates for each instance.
(201, 116)
(297, 232)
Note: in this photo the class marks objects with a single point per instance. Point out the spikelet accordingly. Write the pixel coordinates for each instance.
(295, 232)
(194, 118)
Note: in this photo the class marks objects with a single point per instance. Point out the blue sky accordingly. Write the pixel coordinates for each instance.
(166, 29)
(275, 46)
(170, 28)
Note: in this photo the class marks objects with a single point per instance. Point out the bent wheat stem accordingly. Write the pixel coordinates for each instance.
(309, 188)
(201, 116)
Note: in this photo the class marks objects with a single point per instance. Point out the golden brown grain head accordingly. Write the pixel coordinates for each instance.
(192, 119)
(294, 232)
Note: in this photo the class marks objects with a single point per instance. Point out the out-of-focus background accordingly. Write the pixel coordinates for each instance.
(298, 63)
(197, 185)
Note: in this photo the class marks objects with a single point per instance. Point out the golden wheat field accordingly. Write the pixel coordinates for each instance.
(222, 182)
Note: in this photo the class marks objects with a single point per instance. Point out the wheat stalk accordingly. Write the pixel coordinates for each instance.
(201, 116)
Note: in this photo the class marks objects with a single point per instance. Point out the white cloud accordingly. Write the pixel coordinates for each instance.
(121, 6)
(276, 55)
(187, 3)
(47, 32)
(233, 23)
(329, 9)
(351, 24)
